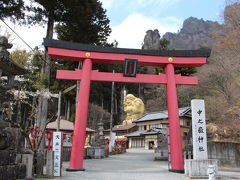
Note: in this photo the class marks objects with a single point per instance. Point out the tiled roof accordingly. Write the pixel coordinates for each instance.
(160, 115)
(151, 133)
(156, 131)
(9, 67)
(134, 134)
(123, 127)
(147, 132)
(64, 125)
(87, 47)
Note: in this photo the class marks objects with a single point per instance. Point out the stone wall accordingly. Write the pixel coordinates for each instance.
(228, 154)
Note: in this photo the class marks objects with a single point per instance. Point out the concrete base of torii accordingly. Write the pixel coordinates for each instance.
(198, 168)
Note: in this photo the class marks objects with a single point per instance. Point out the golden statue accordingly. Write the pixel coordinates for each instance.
(134, 107)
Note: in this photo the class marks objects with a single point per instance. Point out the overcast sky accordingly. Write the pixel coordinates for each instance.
(130, 19)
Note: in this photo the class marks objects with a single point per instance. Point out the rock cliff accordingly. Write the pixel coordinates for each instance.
(195, 34)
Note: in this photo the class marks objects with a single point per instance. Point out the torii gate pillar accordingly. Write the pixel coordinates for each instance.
(79, 135)
(176, 155)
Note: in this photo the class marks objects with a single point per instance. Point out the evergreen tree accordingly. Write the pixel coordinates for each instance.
(84, 21)
(13, 9)
(185, 71)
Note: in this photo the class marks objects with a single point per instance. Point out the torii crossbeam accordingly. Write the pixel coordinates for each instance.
(89, 54)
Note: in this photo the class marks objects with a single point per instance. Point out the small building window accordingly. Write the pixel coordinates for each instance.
(155, 126)
(140, 128)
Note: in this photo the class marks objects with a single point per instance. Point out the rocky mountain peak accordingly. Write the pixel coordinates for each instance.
(152, 40)
(195, 34)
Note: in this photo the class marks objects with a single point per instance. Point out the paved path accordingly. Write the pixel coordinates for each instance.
(136, 164)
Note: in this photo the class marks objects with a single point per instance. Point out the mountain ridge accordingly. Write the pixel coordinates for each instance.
(194, 34)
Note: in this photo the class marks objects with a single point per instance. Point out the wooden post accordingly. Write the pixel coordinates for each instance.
(68, 109)
(59, 110)
(111, 116)
(176, 154)
(79, 135)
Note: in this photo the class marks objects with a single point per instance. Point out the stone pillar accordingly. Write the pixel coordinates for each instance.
(40, 162)
(27, 159)
(197, 168)
(101, 135)
(49, 165)
(98, 148)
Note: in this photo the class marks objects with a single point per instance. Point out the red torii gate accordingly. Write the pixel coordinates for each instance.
(95, 54)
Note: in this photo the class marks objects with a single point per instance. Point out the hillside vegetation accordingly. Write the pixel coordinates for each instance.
(219, 82)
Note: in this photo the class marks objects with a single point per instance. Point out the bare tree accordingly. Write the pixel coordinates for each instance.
(96, 115)
(219, 79)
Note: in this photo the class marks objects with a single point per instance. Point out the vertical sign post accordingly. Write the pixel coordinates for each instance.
(57, 154)
(199, 129)
(112, 141)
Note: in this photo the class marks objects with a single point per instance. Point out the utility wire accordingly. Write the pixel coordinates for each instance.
(23, 41)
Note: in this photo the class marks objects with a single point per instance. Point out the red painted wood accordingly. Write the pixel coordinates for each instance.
(87, 75)
(176, 154)
(69, 75)
(79, 135)
(186, 80)
(113, 58)
(118, 77)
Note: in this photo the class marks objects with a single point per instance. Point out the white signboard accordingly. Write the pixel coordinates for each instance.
(199, 133)
(57, 154)
(66, 141)
(112, 141)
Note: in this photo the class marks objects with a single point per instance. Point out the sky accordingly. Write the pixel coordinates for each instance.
(130, 19)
